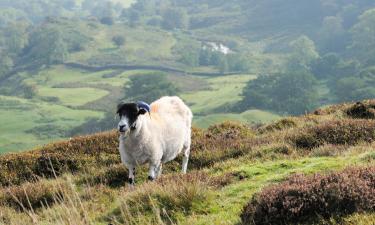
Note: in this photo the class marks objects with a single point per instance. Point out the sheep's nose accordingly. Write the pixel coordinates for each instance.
(122, 128)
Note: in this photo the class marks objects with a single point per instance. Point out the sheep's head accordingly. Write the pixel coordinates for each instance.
(129, 113)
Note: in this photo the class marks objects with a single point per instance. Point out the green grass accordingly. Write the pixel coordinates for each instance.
(223, 90)
(19, 116)
(73, 96)
(142, 45)
(250, 116)
(231, 199)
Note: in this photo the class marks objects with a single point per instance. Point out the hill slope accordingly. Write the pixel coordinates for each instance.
(229, 163)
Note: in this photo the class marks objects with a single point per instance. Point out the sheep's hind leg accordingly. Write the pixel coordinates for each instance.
(131, 179)
(185, 159)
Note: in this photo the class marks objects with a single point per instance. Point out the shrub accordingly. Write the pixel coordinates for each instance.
(362, 110)
(229, 130)
(337, 132)
(308, 197)
(279, 125)
(118, 40)
(65, 156)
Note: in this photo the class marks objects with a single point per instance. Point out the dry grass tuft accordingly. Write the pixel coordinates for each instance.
(31, 196)
(164, 202)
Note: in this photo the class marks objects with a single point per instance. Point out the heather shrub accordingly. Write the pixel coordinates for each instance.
(229, 130)
(279, 125)
(362, 110)
(220, 142)
(54, 159)
(337, 132)
(302, 199)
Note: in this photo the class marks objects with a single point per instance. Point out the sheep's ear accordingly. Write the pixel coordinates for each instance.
(143, 107)
(142, 111)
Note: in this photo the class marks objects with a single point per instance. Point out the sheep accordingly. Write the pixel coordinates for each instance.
(154, 134)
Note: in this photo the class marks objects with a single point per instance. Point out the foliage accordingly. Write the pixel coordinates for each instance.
(363, 36)
(175, 18)
(46, 46)
(301, 199)
(118, 40)
(326, 66)
(353, 89)
(29, 90)
(149, 87)
(292, 93)
(6, 64)
(303, 54)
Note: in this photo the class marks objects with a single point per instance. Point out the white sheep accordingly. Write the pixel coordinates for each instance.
(154, 135)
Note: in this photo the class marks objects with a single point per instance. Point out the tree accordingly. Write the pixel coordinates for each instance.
(332, 36)
(364, 36)
(46, 46)
(292, 93)
(303, 53)
(149, 87)
(326, 66)
(118, 40)
(175, 18)
(348, 89)
(6, 64)
(15, 37)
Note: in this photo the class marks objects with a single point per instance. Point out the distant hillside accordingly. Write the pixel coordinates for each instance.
(283, 57)
(235, 172)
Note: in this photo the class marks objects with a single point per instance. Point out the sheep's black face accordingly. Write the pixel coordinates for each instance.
(128, 113)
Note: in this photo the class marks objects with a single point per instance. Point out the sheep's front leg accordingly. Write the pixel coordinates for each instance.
(151, 172)
(159, 170)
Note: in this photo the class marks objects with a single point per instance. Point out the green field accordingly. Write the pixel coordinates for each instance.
(20, 118)
(64, 98)
(248, 117)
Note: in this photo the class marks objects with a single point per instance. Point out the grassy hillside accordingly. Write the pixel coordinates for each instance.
(87, 94)
(231, 166)
(66, 97)
(40, 40)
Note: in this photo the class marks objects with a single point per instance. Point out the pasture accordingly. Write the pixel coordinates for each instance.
(67, 97)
